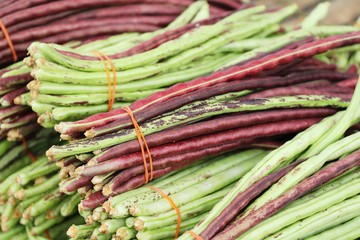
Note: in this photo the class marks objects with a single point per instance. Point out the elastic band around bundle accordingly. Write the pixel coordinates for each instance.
(27, 150)
(111, 86)
(142, 141)
(197, 237)
(8, 40)
(173, 205)
(47, 234)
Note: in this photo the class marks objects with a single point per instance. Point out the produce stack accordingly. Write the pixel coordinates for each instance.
(61, 92)
(194, 190)
(65, 20)
(78, 24)
(281, 88)
(30, 200)
(328, 164)
(210, 124)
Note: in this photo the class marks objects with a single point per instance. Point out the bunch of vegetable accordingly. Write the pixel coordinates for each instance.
(186, 118)
(31, 204)
(16, 118)
(161, 125)
(60, 91)
(332, 211)
(66, 20)
(194, 190)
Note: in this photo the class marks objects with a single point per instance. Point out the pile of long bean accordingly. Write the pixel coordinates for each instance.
(67, 20)
(114, 163)
(61, 93)
(169, 124)
(144, 212)
(17, 119)
(31, 204)
(325, 154)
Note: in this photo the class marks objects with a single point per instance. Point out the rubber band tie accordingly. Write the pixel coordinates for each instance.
(173, 205)
(27, 150)
(142, 141)
(8, 40)
(197, 237)
(111, 84)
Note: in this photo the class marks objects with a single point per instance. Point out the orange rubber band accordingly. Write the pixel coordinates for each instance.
(142, 141)
(173, 205)
(8, 40)
(111, 86)
(27, 150)
(47, 234)
(197, 237)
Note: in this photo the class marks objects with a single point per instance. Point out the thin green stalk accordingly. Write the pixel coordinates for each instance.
(305, 169)
(152, 82)
(24, 204)
(336, 183)
(194, 192)
(269, 31)
(102, 44)
(99, 214)
(81, 231)
(41, 108)
(298, 212)
(272, 161)
(111, 225)
(20, 236)
(189, 210)
(48, 71)
(170, 48)
(69, 206)
(90, 99)
(5, 185)
(14, 167)
(46, 203)
(46, 120)
(22, 99)
(329, 218)
(184, 18)
(59, 230)
(48, 185)
(348, 230)
(130, 196)
(17, 71)
(247, 44)
(130, 222)
(5, 146)
(126, 233)
(12, 232)
(25, 178)
(316, 15)
(39, 229)
(96, 235)
(8, 215)
(350, 117)
(213, 167)
(168, 232)
(39, 219)
(204, 13)
(200, 113)
(187, 15)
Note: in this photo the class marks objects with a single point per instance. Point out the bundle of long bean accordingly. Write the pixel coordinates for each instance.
(57, 99)
(318, 145)
(117, 164)
(268, 92)
(194, 190)
(66, 20)
(19, 120)
(28, 192)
